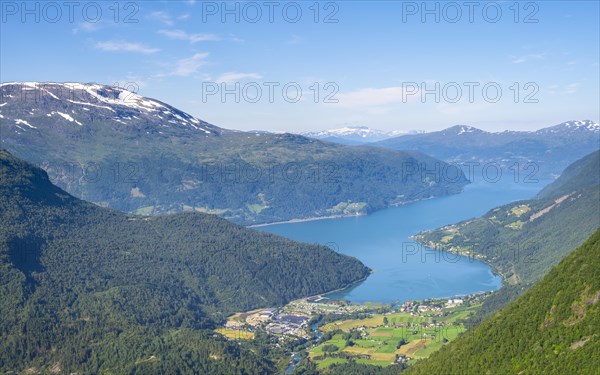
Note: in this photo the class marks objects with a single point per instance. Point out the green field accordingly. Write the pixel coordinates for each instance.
(330, 361)
(370, 341)
(235, 334)
(520, 210)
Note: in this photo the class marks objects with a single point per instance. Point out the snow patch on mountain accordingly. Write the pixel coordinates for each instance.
(92, 96)
(90, 104)
(573, 125)
(67, 117)
(584, 124)
(19, 121)
(116, 96)
(361, 131)
(356, 133)
(466, 129)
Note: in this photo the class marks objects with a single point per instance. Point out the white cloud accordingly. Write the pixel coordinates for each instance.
(192, 38)
(190, 65)
(526, 58)
(551, 89)
(121, 46)
(571, 88)
(231, 77)
(234, 38)
(87, 27)
(163, 17)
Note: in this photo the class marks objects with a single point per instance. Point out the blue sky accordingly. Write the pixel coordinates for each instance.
(372, 64)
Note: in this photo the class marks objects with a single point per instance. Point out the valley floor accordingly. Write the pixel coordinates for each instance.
(337, 331)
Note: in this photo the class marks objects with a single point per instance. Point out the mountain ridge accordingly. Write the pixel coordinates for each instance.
(140, 155)
(354, 135)
(546, 151)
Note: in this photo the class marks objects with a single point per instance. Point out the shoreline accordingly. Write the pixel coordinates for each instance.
(493, 268)
(306, 297)
(314, 218)
(324, 294)
(342, 216)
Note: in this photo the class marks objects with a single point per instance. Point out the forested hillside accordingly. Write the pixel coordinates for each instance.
(524, 240)
(551, 329)
(88, 289)
(582, 174)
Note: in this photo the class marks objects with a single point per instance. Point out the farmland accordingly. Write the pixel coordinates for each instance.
(235, 334)
(394, 337)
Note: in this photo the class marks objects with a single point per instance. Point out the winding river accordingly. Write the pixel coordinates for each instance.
(403, 269)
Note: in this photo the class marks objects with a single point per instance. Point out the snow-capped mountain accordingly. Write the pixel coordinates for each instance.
(462, 129)
(551, 148)
(355, 134)
(29, 105)
(585, 126)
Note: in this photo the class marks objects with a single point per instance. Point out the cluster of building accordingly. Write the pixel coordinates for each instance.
(453, 302)
(322, 305)
(416, 307)
(434, 305)
(272, 320)
(287, 325)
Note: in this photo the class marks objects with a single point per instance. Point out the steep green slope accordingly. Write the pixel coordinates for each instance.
(580, 175)
(551, 329)
(121, 150)
(95, 289)
(523, 240)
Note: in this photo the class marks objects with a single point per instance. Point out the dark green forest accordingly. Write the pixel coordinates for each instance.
(87, 289)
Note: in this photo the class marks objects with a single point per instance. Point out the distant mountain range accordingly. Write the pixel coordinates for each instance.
(92, 290)
(552, 149)
(355, 135)
(121, 150)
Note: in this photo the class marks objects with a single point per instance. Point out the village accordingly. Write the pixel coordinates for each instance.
(290, 320)
(293, 319)
(338, 331)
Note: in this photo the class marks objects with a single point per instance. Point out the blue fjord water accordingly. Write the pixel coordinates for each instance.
(403, 269)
